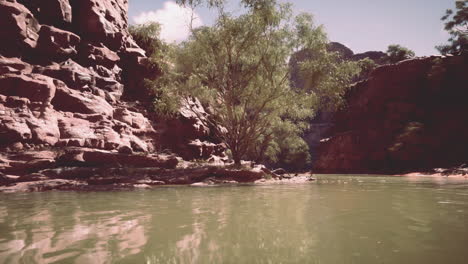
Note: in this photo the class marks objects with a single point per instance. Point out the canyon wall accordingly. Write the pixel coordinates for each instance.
(409, 116)
(66, 69)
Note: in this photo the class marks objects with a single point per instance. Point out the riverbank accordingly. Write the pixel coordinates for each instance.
(85, 169)
(208, 176)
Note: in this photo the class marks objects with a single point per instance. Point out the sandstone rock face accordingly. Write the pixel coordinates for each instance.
(19, 29)
(104, 21)
(50, 12)
(408, 116)
(57, 43)
(64, 67)
(69, 100)
(35, 87)
(14, 65)
(189, 136)
(60, 76)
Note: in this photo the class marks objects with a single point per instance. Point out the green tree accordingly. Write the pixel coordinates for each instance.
(158, 67)
(239, 69)
(398, 53)
(456, 23)
(323, 73)
(367, 65)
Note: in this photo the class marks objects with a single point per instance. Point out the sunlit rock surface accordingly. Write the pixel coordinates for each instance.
(67, 72)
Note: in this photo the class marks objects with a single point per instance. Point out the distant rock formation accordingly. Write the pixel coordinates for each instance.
(378, 57)
(321, 124)
(345, 52)
(407, 116)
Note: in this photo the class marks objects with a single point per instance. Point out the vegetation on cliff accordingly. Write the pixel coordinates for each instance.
(398, 53)
(456, 23)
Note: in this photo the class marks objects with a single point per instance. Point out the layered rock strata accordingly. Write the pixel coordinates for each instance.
(64, 68)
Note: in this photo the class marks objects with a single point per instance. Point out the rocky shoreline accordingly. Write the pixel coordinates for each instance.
(77, 168)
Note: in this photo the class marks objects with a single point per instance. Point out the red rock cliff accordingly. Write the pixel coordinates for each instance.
(406, 117)
(64, 67)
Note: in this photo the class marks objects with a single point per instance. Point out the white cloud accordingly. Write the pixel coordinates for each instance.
(174, 19)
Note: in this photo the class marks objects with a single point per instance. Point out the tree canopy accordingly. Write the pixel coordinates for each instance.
(456, 23)
(239, 68)
(398, 53)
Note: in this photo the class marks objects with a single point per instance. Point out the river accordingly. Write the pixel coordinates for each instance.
(336, 219)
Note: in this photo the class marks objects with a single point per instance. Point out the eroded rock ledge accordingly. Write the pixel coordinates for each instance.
(76, 168)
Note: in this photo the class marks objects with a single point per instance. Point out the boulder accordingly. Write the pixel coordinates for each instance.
(279, 171)
(189, 135)
(238, 175)
(133, 119)
(98, 55)
(13, 129)
(73, 101)
(44, 185)
(22, 121)
(55, 12)
(71, 73)
(101, 21)
(110, 159)
(57, 44)
(14, 65)
(84, 79)
(35, 87)
(22, 168)
(110, 86)
(44, 126)
(197, 149)
(114, 72)
(51, 12)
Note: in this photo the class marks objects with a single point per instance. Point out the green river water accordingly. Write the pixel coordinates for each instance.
(337, 219)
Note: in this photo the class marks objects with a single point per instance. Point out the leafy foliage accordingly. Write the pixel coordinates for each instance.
(367, 65)
(322, 73)
(158, 68)
(398, 53)
(239, 68)
(456, 23)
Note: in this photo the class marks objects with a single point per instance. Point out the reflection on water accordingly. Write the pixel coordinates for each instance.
(346, 219)
(43, 228)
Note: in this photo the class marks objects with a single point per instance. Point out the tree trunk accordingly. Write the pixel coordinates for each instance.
(237, 158)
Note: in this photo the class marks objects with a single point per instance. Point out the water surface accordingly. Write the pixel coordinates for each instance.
(338, 219)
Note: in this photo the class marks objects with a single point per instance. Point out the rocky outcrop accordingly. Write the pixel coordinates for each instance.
(20, 30)
(378, 57)
(409, 116)
(190, 135)
(346, 53)
(84, 169)
(65, 66)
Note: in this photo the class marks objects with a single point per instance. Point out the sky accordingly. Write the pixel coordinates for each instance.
(361, 25)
